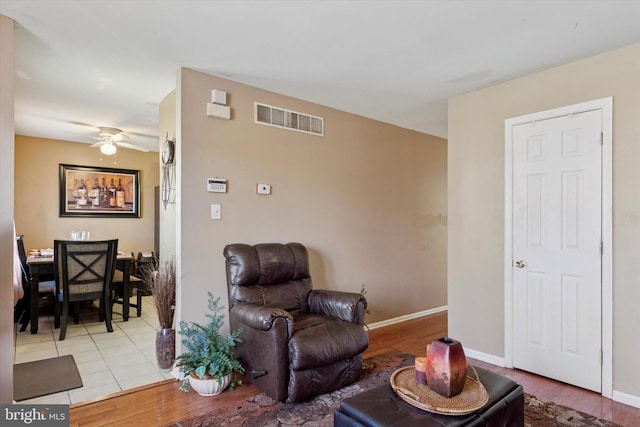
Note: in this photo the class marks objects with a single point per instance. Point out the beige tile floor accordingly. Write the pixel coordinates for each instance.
(107, 362)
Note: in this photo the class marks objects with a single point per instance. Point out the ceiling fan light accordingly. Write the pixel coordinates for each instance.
(108, 148)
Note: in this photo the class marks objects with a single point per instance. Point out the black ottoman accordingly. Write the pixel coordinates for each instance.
(382, 407)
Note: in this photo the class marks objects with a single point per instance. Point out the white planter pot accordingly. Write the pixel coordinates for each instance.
(209, 387)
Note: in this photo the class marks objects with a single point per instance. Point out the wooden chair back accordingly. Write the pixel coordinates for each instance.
(84, 271)
(84, 268)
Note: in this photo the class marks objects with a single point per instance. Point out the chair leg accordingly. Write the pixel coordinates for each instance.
(102, 310)
(26, 316)
(139, 302)
(18, 309)
(22, 310)
(65, 314)
(107, 315)
(56, 313)
(76, 312)
(113, 301)
(23, 324)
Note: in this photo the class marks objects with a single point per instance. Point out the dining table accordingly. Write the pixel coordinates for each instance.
(43, 265)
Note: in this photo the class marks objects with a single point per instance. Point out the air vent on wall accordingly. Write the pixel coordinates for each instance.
(286, 119)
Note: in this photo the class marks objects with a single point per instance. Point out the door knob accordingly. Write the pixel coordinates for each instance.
(519, 264)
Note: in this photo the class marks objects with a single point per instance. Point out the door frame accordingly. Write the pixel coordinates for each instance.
(606, 107)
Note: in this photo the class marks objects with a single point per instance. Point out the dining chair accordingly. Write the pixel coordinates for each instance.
(84, 271)
(135, 284)
(46, 289)
(146, 266)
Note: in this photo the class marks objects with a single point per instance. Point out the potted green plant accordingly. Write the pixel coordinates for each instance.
(208, 364)
(363, 292)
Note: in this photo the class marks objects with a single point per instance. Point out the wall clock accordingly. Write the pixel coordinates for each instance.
(168, 151)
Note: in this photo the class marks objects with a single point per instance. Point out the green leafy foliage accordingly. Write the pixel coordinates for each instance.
(208, 352)
(363, 292)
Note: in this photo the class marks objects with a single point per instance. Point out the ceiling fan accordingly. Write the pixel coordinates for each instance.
(112, 138)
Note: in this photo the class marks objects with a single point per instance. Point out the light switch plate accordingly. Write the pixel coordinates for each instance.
(263, 189)
(216, 211)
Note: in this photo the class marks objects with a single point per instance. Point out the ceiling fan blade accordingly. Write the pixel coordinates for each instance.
(131, 146)
(144, 135)
(72, 122)
(97, 144)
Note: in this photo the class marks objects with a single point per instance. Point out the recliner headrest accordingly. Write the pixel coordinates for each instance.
(266, 263)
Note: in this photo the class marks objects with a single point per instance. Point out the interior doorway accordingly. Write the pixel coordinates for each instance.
(557, 244)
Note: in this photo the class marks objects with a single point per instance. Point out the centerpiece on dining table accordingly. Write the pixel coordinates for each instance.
(41, 253)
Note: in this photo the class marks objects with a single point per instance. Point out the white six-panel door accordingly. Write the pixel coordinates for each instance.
(557, 235)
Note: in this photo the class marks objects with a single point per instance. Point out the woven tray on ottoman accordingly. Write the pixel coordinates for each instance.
(473, 396)
(382, 407)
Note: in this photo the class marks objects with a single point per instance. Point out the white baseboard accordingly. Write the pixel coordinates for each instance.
(624, 398)
(407, 317)
(627, 399)
(484, 357)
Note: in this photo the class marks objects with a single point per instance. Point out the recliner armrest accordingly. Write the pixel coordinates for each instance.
(347, 306)
(260, 317)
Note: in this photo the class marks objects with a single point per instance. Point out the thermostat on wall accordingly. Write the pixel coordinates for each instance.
(216, 185)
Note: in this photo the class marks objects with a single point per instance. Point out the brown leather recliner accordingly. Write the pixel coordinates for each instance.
(297, 342)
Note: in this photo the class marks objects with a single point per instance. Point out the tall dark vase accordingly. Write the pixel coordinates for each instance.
(165, 347)
(446, 367)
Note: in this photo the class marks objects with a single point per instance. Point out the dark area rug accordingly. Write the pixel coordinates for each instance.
(43, 377)
(262, 411)
(538, 412)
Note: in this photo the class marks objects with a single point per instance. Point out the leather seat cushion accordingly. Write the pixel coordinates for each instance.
(320, 340)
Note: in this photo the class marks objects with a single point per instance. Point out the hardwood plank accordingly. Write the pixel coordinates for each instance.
(162, 403)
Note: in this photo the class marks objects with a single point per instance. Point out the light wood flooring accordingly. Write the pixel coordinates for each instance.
(162, 403)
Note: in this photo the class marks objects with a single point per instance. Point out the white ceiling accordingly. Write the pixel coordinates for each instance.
(82, 64)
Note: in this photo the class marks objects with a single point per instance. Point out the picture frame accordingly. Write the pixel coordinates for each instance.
(90, 191)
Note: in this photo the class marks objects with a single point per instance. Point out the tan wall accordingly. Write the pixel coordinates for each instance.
(476, 198)
(7, 74)
(368, 199)
(37, 194)
(168, 211)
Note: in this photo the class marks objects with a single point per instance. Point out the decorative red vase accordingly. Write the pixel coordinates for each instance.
(446, 367)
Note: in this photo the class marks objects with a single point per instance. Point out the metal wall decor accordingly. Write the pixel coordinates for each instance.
(168, 191)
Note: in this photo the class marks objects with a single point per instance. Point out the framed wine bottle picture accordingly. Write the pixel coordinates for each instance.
(99, 192)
